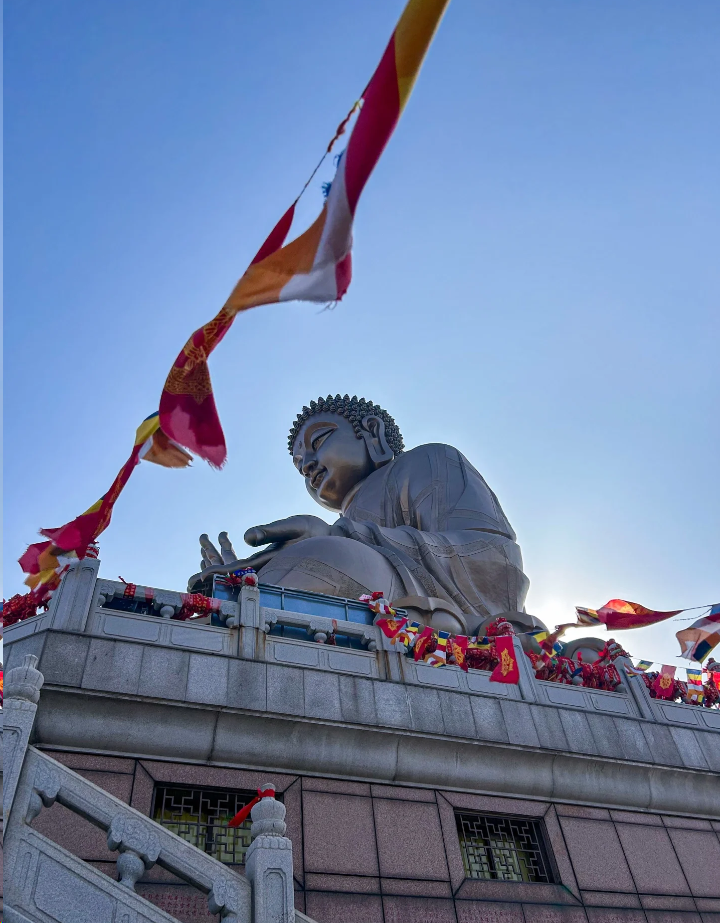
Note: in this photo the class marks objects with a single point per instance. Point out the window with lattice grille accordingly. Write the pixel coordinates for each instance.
(201, 815)
(503, 848)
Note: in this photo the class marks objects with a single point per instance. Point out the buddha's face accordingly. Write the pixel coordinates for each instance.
(332, 459)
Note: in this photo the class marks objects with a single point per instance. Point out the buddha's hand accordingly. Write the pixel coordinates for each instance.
(276, 535)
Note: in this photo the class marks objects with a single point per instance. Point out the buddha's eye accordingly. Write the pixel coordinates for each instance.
(319, 438)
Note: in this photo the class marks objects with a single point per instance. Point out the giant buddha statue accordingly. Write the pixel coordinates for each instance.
(421, 525)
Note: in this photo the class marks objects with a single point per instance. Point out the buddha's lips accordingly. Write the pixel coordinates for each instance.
(317, 478)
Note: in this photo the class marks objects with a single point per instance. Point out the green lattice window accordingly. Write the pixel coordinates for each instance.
(503, 848)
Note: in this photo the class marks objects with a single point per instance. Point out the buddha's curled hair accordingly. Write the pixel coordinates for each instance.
(353, 409)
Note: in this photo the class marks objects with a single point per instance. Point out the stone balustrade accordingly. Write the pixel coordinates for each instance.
(46, 883)
(248, 630)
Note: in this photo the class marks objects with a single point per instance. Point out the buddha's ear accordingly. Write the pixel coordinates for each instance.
(373, 432)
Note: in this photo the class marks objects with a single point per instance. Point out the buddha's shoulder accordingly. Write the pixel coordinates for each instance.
(431, 452)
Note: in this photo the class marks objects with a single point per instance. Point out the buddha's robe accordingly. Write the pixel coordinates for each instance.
(431, 527)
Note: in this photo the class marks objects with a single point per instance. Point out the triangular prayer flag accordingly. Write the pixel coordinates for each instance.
(422, 642)
(438, 657)
(391, 628)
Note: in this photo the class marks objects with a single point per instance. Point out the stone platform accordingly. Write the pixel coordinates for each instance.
(377, 758)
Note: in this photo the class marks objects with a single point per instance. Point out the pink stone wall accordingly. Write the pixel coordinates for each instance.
(388, 854)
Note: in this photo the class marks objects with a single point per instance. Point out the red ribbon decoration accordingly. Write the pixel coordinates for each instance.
(244, 813)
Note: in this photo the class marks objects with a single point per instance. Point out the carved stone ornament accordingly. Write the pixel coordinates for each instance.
(268, 815)
(224, 897)
(24, 682)
(46, 786)
(130, 833)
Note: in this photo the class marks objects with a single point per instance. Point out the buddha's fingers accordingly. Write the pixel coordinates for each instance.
(228, 552)
(209, 550)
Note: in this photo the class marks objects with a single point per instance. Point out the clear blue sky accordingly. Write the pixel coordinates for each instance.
(536, 272)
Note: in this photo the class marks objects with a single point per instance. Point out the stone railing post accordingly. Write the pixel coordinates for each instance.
(527, 674)
(268, 862)
(22, 692)
(249, 603)
(70, 604)
(637, 688)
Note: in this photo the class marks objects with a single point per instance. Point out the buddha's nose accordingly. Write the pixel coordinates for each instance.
(309, 465)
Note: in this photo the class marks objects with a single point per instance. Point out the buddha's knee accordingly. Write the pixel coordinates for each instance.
(333, 565)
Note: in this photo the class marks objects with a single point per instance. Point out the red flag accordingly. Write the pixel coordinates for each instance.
(665, 682)
(391, 627)
(423, 640)
(507, 670)
(459, 646)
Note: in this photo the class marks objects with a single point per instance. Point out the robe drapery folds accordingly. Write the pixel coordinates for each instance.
(316, 266)
(431, 514)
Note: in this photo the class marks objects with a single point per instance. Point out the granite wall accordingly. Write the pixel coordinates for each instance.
(367, 853)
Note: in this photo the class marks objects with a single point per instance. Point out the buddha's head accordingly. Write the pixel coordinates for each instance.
(337, 442)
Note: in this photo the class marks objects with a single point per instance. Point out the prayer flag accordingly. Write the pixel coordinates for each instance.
(316, 266)
(408, 635)
(665, 682)
(696, 693)
(642, 666)
(422, 642)
(391, 627)
(459, 646)
(438, 657)
(619, 614)
(701, 637)
(151, 445)
(507, 670)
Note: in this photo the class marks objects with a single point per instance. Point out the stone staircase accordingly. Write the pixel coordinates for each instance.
(47, 884)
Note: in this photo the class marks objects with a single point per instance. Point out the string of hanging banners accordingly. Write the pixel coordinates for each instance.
(316, 267)
(496, 652)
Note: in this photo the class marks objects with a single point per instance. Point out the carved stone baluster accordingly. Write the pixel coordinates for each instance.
(22, 692)
(268, 862)
(46, 786)
(138, 844)
(226, 899)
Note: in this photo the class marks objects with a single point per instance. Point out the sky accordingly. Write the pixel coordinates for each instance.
(536, 278)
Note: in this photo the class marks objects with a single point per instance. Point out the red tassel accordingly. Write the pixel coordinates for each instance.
(244, 813)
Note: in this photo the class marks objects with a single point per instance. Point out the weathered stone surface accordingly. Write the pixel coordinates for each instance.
(335, 847)
(207, 679)
(409, 840)
(653, 863)
(519, 723)
(489, 718)
(391, 705)
(457, 716)
(63, 658)
(163, 673)
(589, 839)
(549, 727)
(322, 695)
(247, 685)
(112, 666)
(285, 693)
(357, 702)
